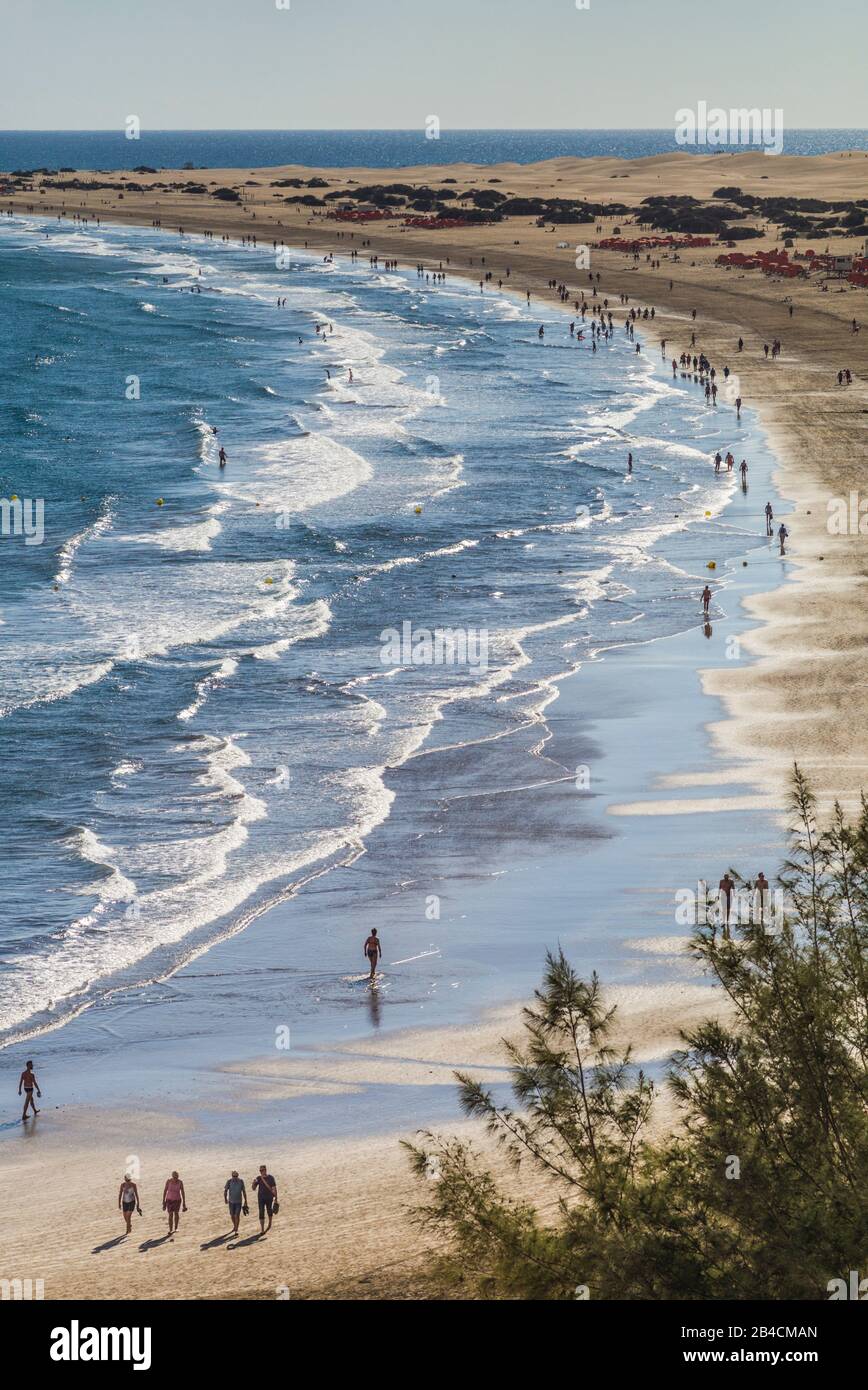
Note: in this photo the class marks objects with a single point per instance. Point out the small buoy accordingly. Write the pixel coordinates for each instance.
(14, 497)
(418, 511)
(744, 564)
(821, 557)
(712, 565)
(160, 502)
(269, 580)
(708, 513)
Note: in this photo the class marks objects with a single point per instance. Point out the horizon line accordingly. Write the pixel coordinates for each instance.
(356, 130)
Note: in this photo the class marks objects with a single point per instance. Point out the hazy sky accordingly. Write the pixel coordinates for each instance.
(341, 64)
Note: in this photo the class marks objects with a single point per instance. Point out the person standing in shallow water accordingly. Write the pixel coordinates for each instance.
(373, 950)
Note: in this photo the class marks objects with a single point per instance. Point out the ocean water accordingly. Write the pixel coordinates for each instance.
(232, 149)
(198, 710)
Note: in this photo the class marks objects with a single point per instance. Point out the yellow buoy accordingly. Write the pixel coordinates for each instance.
(708, 513)
(14, 497)
(712, 565)
(160, 502)
(269, 581)
(418, 511)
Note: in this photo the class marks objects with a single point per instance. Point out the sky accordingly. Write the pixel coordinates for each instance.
(390, 64)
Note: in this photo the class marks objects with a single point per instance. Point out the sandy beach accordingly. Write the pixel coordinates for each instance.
(344, 1228)
(793, 699)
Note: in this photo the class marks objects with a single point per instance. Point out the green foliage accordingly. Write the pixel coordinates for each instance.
(760, 1192)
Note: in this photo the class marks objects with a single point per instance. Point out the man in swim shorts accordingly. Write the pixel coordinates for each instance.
(761, 897)
(726, 888)
(27, 1079)
(373, 950)
(235, 1197)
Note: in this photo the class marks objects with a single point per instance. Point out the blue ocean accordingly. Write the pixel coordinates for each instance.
(201, 708)
(388, 149)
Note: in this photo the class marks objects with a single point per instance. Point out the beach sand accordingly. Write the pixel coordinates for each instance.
(343, 1231)
(797, 700)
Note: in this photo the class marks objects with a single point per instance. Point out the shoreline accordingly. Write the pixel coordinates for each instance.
(783, 706)
(274, 902)
(197, 949)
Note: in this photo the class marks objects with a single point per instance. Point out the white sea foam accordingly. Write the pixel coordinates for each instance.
(204, 687)
(67, 552)
(113, 886)
(296, 474)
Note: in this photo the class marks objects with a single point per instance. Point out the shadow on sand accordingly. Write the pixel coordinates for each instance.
(218, 1240)
(157, 1240)
(248, 1240)
(109, 1244)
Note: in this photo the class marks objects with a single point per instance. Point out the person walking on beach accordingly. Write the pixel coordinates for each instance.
(373, 950)
(770, 516)
(174, 1200)
(742, 468)
(761, 889)
(28, 1081)
(266, 1190)
(726, 887)
(783, 533)
(128, 1201)
(706, 600)
(235, 1197)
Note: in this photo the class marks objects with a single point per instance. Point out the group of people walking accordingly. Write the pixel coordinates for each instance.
(234, 1196)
